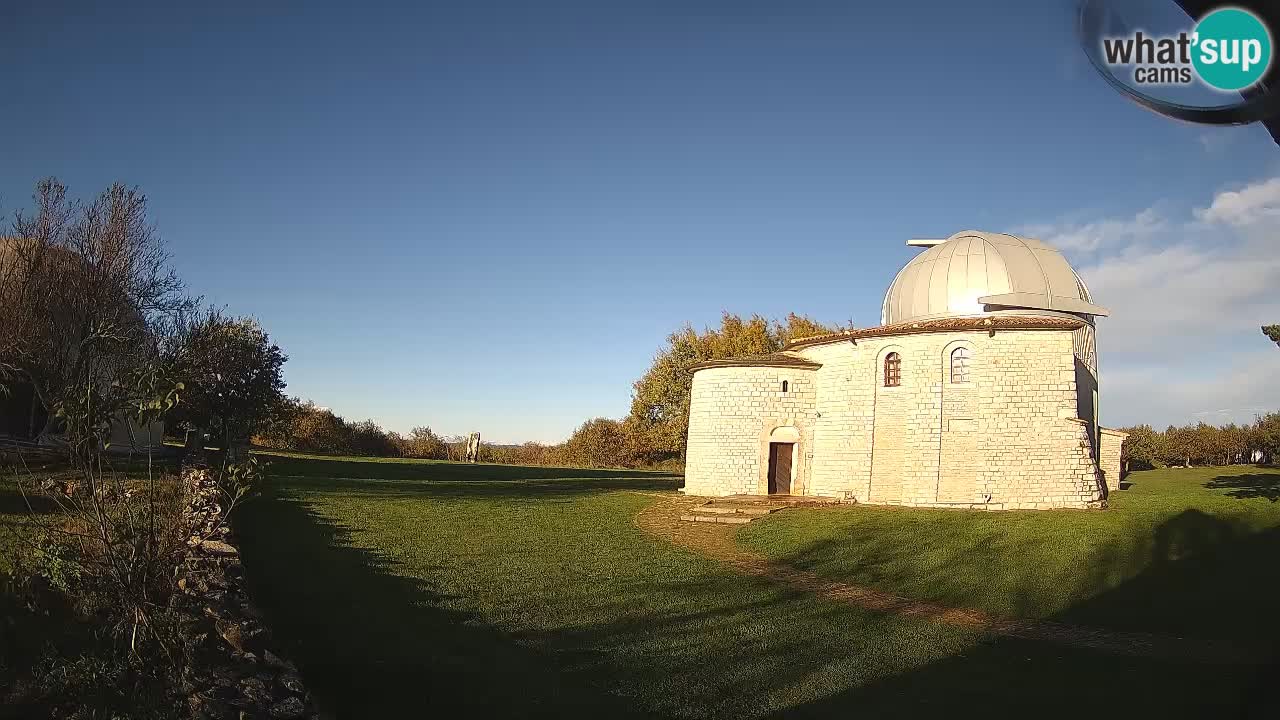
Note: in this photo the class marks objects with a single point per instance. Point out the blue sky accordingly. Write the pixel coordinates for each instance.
(488, 216)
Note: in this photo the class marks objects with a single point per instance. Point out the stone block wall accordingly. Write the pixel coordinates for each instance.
(732, 414)
(1008, 438)
(1109, 456)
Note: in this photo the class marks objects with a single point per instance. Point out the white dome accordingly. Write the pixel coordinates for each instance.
(977, 273)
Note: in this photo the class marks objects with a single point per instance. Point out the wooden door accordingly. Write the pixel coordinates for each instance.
(780, 468)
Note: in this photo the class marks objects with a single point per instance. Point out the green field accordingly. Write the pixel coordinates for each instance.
(409, 588)
(1182, 551)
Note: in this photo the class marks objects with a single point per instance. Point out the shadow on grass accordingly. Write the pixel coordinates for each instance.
(407, 469)
(1248, 485)
(1206, 578)
(372, 643)
(12, 502)
(413, 478)
(549, 489)
(1175, 577)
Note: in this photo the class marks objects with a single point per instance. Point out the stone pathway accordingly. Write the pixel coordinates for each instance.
(716, 540)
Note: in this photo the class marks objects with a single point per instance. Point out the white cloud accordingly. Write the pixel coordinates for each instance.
(1091, 236)
(1238, 390)
(1188, 292)
(1165, 296)
(1249, 205)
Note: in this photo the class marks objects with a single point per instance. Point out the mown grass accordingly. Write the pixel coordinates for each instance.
(1186, 551)
(405, 589)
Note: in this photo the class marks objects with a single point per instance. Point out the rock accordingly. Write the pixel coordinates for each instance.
(223, 678)
(255, 690)
(231, 633)
(275, 660)
(217, 547)
(287, 709)
(291, 682)
(212, 708)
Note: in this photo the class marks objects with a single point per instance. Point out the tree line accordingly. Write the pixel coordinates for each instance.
(652, 435)
(1202, 444)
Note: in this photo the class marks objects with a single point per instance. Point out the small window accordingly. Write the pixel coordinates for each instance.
(960, 365)
(784, 386)
(892, 370)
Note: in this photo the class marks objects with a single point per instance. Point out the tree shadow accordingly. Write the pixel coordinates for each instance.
(1248, 485)
(414, 478)
(13, 502)
(1206, 580)
(439, 470)
(542, 490)
(373, 643)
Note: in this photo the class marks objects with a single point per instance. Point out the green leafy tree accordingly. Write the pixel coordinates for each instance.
(1266, 436)
(1273, 332)
(1141, 448)
(232, 374)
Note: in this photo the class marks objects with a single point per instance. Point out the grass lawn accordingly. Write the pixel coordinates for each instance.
(1183, 551)
(408, 588)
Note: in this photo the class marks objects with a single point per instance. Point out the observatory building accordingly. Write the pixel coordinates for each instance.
(978, 390)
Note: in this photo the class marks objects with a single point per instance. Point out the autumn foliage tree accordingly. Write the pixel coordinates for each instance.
(659, 419)
(599, 442)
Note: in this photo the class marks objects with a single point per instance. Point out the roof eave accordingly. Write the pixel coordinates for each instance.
(797, 364)
(990, 323)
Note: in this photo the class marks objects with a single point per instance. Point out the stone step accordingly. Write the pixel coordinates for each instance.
(730, 509)
(723, 519)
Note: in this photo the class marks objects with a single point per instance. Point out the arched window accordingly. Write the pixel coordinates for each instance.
(892, 370)
(960, 365)
(784, 386)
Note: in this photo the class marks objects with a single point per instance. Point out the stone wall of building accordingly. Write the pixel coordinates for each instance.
(1008, 438)
(732, 414)
(1109, 456)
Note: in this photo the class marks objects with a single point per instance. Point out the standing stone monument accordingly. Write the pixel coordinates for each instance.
(473, 447)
